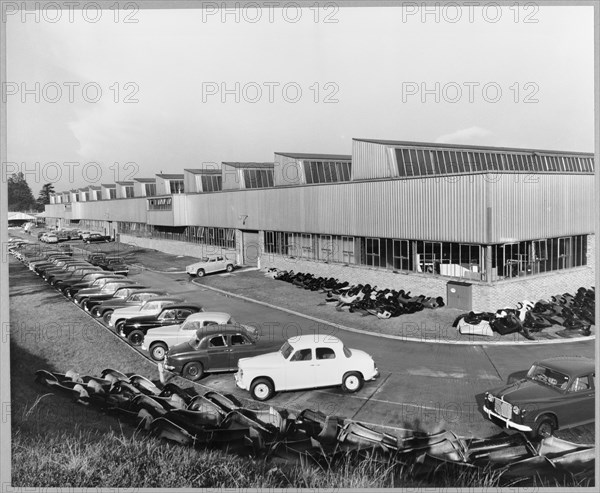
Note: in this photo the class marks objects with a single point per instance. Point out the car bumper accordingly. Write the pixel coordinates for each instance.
(239, 382)
(507, 422)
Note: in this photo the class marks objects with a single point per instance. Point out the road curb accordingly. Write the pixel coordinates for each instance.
(397, 338)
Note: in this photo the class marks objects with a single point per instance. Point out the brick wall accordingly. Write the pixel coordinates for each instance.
(176, 247)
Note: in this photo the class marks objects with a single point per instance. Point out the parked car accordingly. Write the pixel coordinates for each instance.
(214, 348)
(556, 393)
(102, 286)
(306, 362)
(97, 237)
(210, 264)
(136, 328)
(96, 257)
(94, 286)
(50, 238)
(114, 264)
(64, 234)
(103, 307)
(75, 272)
(71, 287)
(149, 307)
(157, 341)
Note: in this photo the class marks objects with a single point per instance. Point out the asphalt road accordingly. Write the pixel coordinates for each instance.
(422, 386)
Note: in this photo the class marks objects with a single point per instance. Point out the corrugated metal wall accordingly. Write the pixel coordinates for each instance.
(370, 160)
(451, 208)
(287, 171)
(231, 178)
(530, 206)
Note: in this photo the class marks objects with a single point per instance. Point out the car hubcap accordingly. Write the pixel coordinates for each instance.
(158, 353)
(261, 391)
(136, 339)
(193, 371)
(352, 383)
(545, 430)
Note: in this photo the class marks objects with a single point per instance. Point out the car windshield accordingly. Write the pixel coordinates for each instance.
(548, 376)
(347, 351)
(122, 293)
(110, 287)
(286, 350)
(194, 342)
(204, 259)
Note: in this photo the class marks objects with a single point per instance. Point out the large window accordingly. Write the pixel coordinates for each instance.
(176, 186)
(128, 191)
(150, 189)
(534, 257)
(112, 193)
(211, 183)
(160, 204)
(258, 178)
(327, 171)
(422, 162)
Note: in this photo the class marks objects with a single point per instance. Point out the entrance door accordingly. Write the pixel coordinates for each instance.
(250, 248)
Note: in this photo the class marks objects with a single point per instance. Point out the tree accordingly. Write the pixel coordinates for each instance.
(44, 196)
(20, 198)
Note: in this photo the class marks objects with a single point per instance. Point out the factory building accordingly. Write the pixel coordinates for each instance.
(484, 227)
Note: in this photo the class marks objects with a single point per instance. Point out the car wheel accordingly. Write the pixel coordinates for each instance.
(545, 427)
(119, 326)
(229, 268)
(352, 382)
(83, 302)
(262, 389)
(94, 312)
(158, 351)
(85, 306)
(200, 272)
(106, 316)
(193, 371)
(136, 337)
(67, 292)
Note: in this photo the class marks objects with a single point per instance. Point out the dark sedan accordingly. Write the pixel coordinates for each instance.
(72, 287)
(101, 286)
(73, 271)
(556, 393)
(119, 296)
(215, 348)
(97, 237)
(136, 328)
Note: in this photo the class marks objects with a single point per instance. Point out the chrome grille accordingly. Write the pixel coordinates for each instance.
(503, 408)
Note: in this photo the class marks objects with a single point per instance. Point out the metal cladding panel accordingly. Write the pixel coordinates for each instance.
(161, 218)
(231, 177)
(55, 210)
(370, 161)
(287, 171)
(133, 209)
(531, 206)
(189, 182)
(429, 208)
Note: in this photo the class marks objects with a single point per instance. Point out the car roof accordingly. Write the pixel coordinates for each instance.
(221, 329)
(312, 339)
(184, 305)
(570, 364)
(166, 298)
(208, 315)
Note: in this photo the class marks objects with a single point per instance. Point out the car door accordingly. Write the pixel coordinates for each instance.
(220, 264)
(581, 402)
(218, 353)
(327, 367)
(299, 370)
(211, 265)
(241, 347)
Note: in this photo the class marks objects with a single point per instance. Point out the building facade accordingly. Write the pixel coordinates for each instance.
(483, 227)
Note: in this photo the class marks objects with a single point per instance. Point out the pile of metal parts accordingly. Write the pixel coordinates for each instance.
(573, 315)
(216, 420)
(363, 299)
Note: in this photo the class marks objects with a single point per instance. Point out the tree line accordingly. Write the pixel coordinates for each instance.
(20, 196)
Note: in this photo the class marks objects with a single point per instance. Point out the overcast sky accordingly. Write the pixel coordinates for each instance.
(523, 84)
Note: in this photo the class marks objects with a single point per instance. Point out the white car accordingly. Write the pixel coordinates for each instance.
(157, 341)
(50, 238)
(209, 264)
(305, 362)
(152, 306)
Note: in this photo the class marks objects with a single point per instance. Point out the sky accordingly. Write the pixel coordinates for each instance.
(184, 88)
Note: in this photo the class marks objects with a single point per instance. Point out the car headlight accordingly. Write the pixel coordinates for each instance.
(516, 410)
(490, 398)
